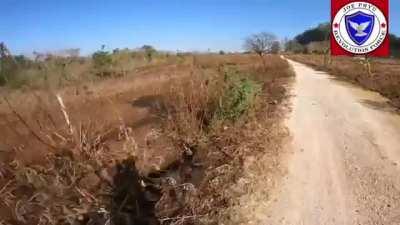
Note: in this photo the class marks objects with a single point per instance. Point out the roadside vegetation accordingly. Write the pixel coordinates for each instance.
(57, 70)
(211, 115)
(224, 119)
(379, 74)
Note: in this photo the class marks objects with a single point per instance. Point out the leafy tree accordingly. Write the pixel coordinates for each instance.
(102, 61)
(319, 33)
(294, 46)
(150, 51)
(21, 60)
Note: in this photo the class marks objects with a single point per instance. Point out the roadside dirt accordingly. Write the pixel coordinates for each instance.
(133, 100)
(345, 158)
(114, 121)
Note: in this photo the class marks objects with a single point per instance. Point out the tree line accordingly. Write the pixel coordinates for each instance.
(316, 40)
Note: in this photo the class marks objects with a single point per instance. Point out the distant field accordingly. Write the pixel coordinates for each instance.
(384, 77)
(53, 72)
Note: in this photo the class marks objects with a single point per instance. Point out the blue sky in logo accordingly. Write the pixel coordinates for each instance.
(359, 26)
(41, 25)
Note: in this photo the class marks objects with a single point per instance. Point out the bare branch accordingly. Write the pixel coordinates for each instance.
(260, 43)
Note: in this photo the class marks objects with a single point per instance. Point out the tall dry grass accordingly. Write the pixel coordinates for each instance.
(55, 72)
(65, 187)
(219, 111)
(208, 99)
(196, 117)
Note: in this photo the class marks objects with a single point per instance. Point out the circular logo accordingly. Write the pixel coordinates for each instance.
(359, 27)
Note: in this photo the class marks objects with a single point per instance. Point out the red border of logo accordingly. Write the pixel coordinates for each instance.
(382, 50)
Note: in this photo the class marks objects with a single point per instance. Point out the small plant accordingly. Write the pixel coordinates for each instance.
(239, 96)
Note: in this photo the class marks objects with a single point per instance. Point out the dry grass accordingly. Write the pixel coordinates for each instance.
(57, 72)
(384, 77)
(207, 99)
(69, 187)
(188, 108)
(230, 149)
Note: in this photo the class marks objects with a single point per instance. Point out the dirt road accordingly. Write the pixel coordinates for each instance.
(344, 165)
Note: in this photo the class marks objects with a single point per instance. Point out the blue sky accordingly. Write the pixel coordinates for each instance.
(46, 25)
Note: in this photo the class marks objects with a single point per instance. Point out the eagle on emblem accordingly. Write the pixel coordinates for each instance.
(360, 28)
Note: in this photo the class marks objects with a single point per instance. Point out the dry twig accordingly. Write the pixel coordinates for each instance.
(64, 111)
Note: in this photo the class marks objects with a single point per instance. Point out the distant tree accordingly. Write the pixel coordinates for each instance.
(21, 60)
(276, 47)
(294, 47)
(116, 51)
(318, 47)
(318, 37)
(319, 33)
(72, 52)
(260, 44)
(149, 51)
(102, 58)
(221, 52)
(102, 61)
(394, 45)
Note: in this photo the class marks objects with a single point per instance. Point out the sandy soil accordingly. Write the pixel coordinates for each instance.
(344, 164)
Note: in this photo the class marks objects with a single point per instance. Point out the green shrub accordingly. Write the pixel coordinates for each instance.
(102, 59)
(149, 51)
(102, 62)
(240, 94)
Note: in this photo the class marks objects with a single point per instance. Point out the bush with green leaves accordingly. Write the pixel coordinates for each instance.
(149, 51)
(102, 59)
(103, 62)
(239, 96)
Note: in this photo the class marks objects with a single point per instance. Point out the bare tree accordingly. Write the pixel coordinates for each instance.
(260, 44)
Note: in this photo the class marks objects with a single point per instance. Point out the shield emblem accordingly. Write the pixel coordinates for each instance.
(359, 26)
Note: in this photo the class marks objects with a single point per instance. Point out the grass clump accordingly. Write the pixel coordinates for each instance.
(226, 112)
(207, 100)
